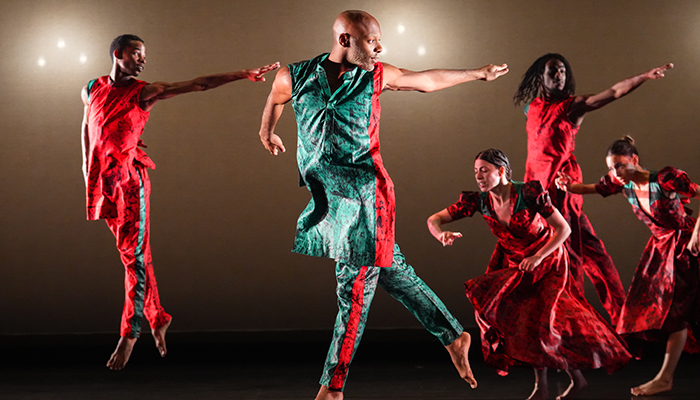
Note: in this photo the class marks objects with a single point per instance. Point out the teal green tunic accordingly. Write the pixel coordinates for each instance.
(350, 217)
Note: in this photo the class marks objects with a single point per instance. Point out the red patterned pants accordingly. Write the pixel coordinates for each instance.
(131, 228)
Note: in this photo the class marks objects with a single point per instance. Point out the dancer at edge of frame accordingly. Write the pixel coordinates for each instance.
(527, 299)
(117, 107)
(350, 217)
(663, 302)
(554, 114)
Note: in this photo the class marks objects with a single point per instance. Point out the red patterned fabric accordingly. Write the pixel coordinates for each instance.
(384, 192)
(118, 190)
(550, 149)
(533, 319)
(354, 320)
(141, 290)
(115, 123)
(664, 295)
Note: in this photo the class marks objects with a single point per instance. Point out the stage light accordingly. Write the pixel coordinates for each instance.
(401, 28)
(421, 50)
(83, 58)
(41, 62)
(61, 43)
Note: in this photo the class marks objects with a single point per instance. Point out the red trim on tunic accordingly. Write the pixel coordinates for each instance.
(384, 191)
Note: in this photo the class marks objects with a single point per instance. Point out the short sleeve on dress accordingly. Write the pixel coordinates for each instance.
(537, 198)
(468, 204)
(608, 186)
(675, 180)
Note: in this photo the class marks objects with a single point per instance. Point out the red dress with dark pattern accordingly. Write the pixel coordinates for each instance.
(664, 296)
(550, 149)
(533, 318)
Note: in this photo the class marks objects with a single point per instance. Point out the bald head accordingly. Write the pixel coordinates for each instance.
(356, 37)
(353, 22)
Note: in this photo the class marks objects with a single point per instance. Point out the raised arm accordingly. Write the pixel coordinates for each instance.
(584, 104)
(153, 92)
(280, 94)
(562, 230)
(437, 79)
(84, 137)
(435, 223)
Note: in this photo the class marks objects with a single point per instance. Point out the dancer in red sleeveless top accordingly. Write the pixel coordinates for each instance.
(554, 114)
(118, 189)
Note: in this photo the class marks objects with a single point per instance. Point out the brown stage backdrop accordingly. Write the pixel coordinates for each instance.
(224, 210)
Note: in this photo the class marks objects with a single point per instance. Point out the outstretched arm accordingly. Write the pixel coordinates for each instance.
(584, 104)
(562, 230)
(437, 79)
(564, 183)
(280, 94)
(435, 223)
(153, 92)
(84, 137)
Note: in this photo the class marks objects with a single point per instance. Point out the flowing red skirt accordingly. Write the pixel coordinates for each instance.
(538, 319)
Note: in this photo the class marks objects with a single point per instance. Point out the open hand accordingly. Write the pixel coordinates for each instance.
(563, 181)
(658, 72)
(256, 75)
(492, 72)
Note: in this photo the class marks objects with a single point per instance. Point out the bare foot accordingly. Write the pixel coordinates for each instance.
(159, 337)
(652, 387)
(121, 354)
(578, 383)
(572, 390)
(327, 394)
(539, 393)
(459, 352)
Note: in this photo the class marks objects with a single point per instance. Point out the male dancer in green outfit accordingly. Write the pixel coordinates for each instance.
(351, 215)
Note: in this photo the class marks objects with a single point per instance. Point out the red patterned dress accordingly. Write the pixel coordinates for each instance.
(533, 318)
(664, 296)
(550, 149)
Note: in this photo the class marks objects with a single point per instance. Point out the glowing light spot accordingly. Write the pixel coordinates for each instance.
(41, 61)
(83, 58)
(421, 50)
(401, 28)
(61, 43)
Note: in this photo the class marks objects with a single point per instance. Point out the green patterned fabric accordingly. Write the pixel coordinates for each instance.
(335, 160)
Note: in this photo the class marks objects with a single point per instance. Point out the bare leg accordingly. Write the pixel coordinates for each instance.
(328, 394)
(121, 354)
(459, 352)
(541, 390)
(663, 381)
(578, 383)
(159, 337)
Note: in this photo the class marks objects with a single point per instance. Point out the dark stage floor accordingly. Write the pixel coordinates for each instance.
(393, 364)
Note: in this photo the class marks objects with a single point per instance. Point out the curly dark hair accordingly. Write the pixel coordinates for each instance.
(497, 158)
(121, 42)
(531, 85)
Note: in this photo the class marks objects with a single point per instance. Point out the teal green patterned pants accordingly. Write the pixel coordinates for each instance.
(356, 287)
